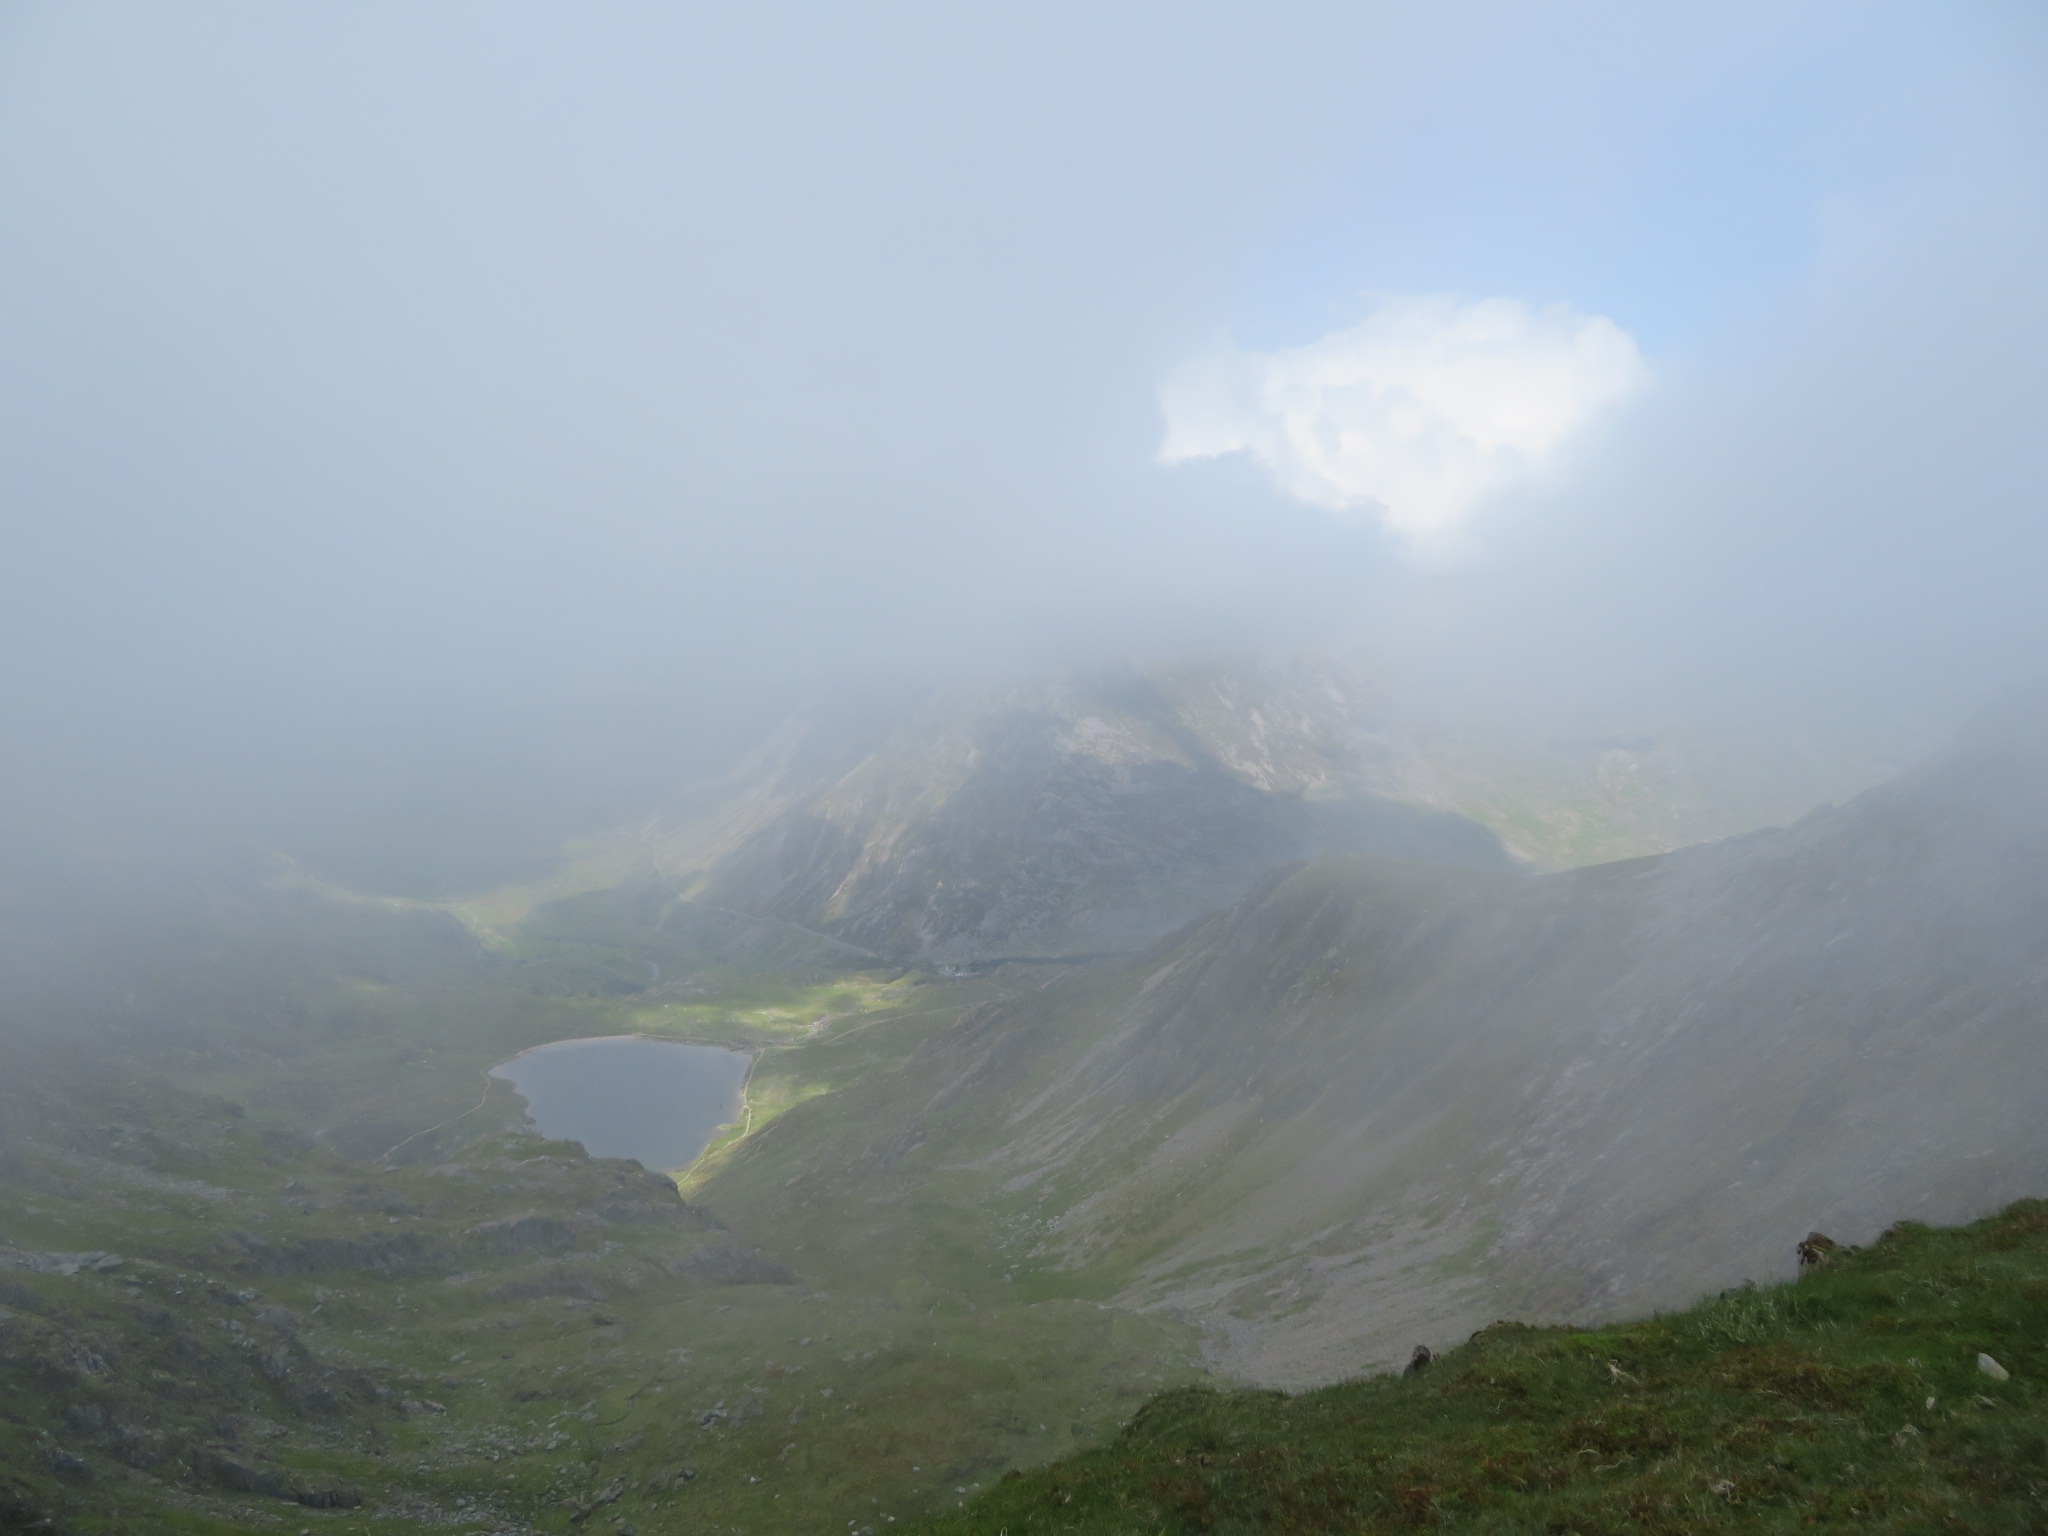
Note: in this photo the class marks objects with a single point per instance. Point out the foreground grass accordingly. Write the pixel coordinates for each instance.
(1851, 1399)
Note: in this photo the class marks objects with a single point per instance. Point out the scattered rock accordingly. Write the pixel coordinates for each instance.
(1992, 1368)
(95, 1262)
(394, 1253)
(532, 1232)
(239, 1477)
(725, 1260)
(580, 1511)
(326, 1498)
(1817, 1248)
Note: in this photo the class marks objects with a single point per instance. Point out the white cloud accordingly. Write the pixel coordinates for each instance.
(1414, 416)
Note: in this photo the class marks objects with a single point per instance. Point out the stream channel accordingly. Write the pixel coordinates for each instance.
(629, 1096)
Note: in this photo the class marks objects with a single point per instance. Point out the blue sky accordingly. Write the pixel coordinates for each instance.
(1683, 176)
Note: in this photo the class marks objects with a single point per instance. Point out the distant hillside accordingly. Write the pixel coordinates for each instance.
(1094, 812)
(1899, 1389)
(978, 1207)
(1063, 818)
(1379, 1101)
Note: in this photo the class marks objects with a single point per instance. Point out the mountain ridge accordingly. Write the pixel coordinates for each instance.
(1373, 1093)
(1055, 818)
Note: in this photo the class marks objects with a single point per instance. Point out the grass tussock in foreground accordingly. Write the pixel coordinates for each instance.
(1851, 1399)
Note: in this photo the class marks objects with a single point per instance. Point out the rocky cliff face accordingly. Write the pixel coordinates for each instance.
(1065, 818)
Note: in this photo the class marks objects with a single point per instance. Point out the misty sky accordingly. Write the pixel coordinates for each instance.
(377, 369)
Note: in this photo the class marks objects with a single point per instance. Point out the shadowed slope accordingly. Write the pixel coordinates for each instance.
(1376, 1102)
(1080, 817)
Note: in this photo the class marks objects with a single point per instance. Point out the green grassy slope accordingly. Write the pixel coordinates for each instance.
(468, 1341)
(1851, 1400)
(210, 1325)
(1375, 1103)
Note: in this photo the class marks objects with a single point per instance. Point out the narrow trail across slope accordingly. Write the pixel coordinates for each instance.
(489, 1082)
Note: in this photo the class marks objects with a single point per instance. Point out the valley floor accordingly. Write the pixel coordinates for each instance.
(215, 1317)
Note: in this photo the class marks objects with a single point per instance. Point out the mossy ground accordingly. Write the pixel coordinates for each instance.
(332, 1327)
(1849, 1400)
(480, 1391)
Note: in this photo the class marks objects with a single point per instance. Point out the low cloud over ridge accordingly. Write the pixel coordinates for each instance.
(1412, 417)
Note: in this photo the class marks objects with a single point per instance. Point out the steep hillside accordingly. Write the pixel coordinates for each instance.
(205, 1319)
(1080, 817)
(1092, 813)
(208, 1326)
(1380, 1102)
(1897, 1389)
(1061, 818)
(267, 1257)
